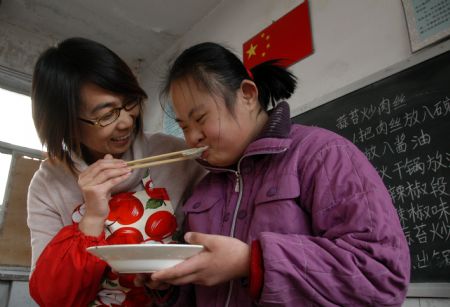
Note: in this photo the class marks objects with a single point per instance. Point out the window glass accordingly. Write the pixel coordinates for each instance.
(16, 128)
(16, 122)
(5, 161)
(170, 126)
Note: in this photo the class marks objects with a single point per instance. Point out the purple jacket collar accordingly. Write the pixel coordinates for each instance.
(279, 123)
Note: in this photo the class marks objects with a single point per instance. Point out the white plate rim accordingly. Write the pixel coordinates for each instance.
(118, 254)
(146, 246)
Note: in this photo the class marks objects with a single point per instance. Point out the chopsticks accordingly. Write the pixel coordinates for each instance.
(167, 158)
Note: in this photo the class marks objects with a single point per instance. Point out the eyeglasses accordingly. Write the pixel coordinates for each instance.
(111, 116)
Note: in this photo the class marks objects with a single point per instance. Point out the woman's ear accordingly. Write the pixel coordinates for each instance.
(249, 92)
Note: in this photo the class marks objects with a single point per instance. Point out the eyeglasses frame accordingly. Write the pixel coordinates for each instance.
(117, 111)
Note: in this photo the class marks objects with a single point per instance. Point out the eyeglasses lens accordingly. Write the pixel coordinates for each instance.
(111, 117)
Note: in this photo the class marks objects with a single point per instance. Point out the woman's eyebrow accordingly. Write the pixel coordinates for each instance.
(103, 105)
(191, 113)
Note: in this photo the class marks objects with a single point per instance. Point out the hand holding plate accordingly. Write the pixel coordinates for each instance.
(222, 259)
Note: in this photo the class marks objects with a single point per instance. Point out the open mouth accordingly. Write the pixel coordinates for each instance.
(204, 155)
(121, 139)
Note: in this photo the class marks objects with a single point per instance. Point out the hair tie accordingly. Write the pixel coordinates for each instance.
(249, 73)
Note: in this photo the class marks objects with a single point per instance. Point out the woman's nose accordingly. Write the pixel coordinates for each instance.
(126, 119)
(194, 137)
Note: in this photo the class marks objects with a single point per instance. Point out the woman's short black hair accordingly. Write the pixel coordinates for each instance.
(219, 71)
(58, 77)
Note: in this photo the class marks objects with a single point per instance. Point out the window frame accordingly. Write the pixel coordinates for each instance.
(18, 82)
(15, 151)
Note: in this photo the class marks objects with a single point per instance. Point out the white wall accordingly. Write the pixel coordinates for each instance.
(231, 23)
(352, 39)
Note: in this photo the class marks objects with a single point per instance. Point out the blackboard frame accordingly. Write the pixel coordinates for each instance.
(431, 289)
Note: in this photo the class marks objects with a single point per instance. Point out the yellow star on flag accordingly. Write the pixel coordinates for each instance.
(251, 51)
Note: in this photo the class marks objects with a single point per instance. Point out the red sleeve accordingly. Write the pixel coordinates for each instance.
(66, 274)
(256, 270)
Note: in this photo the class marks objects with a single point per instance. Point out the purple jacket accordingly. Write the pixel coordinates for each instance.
(329, 233)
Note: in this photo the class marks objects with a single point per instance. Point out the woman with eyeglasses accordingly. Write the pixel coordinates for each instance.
(87, 109)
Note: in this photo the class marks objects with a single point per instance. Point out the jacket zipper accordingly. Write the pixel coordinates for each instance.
(238, 181)
(238, 188)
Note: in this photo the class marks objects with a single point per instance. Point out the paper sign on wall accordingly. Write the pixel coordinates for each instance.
(428, 21)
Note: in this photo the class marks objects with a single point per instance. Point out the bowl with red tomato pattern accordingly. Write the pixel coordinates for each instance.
(144, 258)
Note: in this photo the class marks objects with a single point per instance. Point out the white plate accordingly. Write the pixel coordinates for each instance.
(144, 258)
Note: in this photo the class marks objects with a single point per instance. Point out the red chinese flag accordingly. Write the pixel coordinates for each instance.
(288, 39)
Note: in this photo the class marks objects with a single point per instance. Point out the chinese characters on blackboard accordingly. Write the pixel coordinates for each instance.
(403, 143)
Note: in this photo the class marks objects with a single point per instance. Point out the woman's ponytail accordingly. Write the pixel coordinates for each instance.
(274, 82)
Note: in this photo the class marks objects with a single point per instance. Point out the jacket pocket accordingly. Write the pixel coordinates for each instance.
(284, 187)
(203, 213)
(277, 208)
(200, 204)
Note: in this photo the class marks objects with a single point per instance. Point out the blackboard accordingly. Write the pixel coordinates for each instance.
(402, 124)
